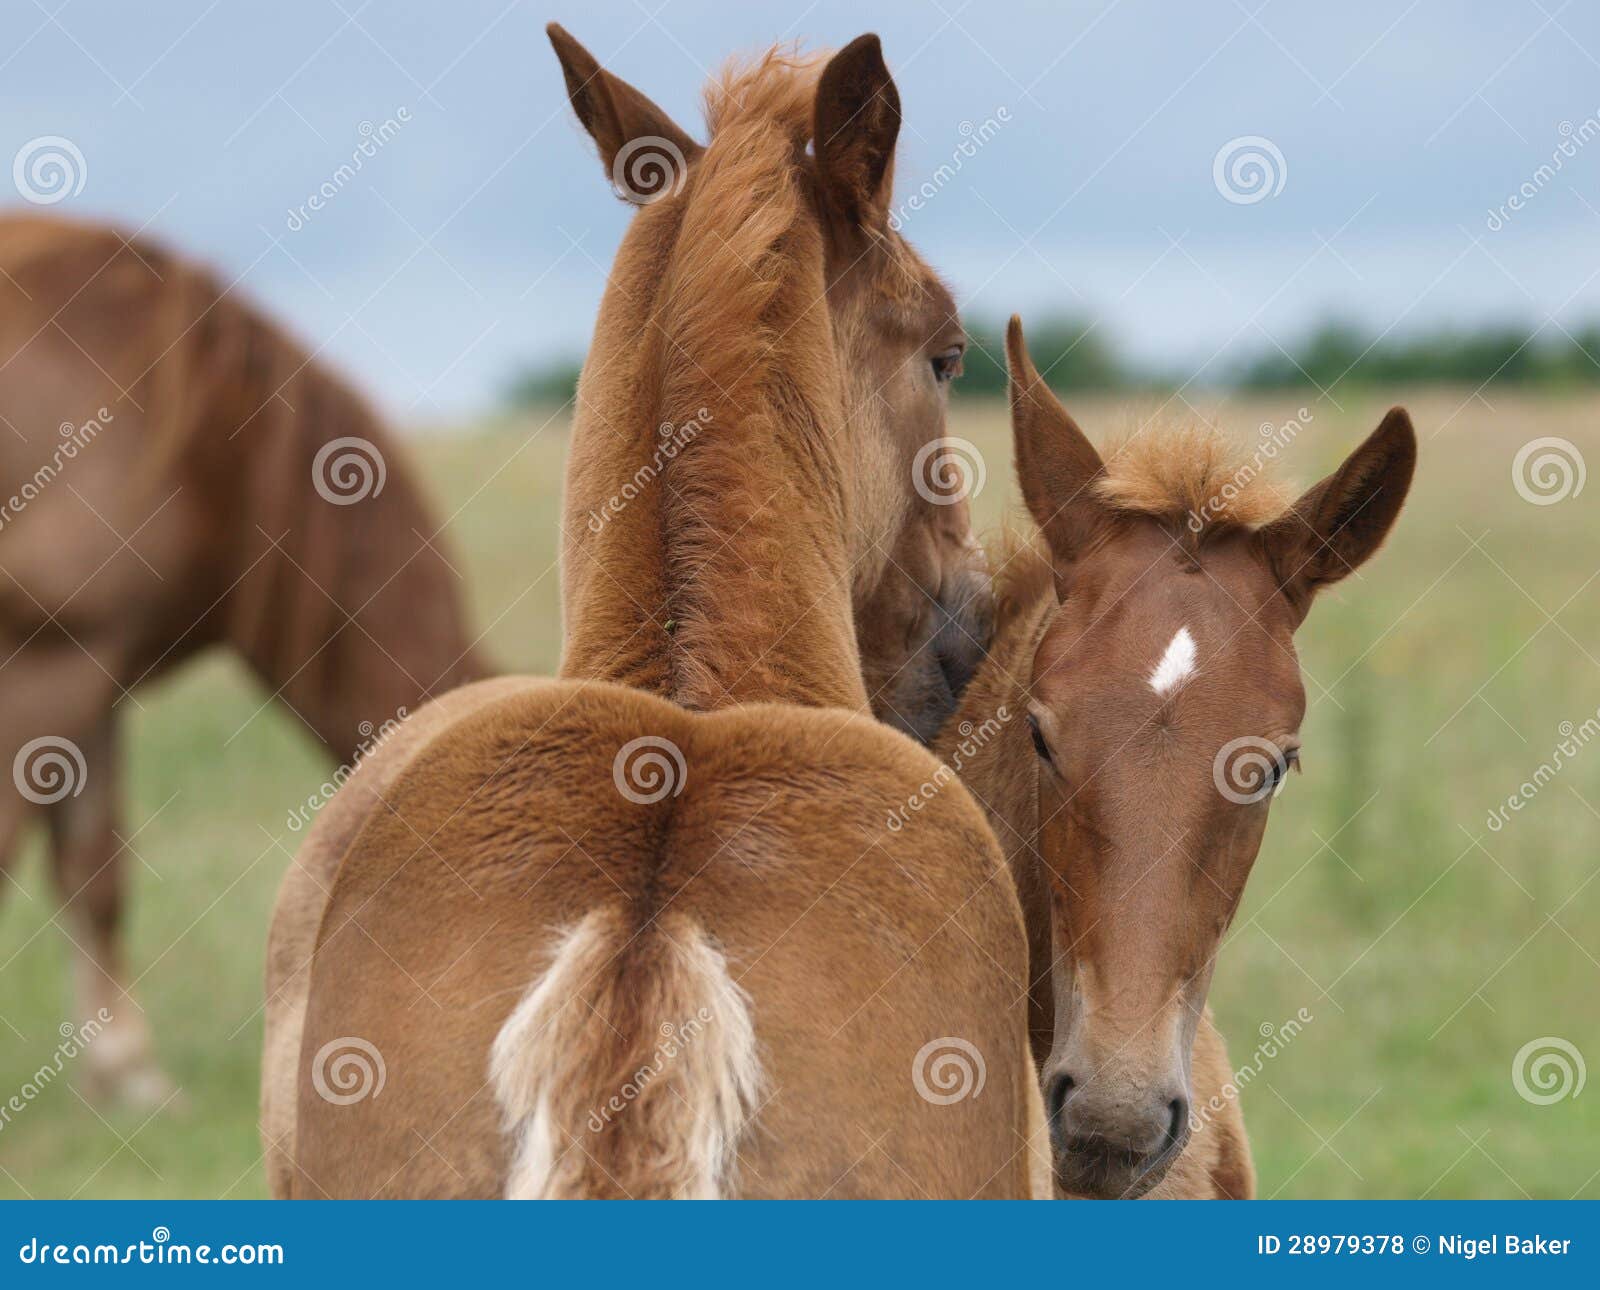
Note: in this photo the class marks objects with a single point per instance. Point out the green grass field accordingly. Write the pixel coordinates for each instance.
(1427, 949)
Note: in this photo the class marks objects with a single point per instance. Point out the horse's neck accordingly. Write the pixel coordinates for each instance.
(704, 558)
(348, 613)
(987, 742)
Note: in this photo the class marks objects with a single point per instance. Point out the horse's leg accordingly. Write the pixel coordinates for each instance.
(88, 865)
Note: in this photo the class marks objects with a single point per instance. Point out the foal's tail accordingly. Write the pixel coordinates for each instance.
(629, 1068)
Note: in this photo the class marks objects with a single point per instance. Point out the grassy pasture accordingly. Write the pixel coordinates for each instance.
(1427, 948)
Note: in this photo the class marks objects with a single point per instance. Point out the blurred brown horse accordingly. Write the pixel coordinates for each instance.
(176, 473)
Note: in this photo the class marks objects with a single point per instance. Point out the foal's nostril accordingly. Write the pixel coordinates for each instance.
(1179, 1108)
(1055, 1095)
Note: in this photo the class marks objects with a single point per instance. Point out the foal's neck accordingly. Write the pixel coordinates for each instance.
(986, 742)
(705, 547)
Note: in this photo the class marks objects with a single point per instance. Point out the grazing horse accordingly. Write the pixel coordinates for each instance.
(641, 930)
(176, 473)
(1149, 654)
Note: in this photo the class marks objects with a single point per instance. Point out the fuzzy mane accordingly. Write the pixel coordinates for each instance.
(1196, 476)
(743, 336)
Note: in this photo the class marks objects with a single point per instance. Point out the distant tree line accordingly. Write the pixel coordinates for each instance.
(1074, 354)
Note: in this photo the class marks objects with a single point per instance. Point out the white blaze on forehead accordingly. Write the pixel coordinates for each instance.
(1176, 665)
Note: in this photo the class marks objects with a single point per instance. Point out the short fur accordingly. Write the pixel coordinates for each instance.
(769, 875)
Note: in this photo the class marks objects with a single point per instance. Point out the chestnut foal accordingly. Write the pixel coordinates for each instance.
(1162, 701)
(640, 930)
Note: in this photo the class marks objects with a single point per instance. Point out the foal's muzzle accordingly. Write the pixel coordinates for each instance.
(1111, 1144)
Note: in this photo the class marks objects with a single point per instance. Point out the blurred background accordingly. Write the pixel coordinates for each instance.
(1259, 211)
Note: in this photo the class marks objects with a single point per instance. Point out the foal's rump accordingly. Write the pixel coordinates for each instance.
(597, 945)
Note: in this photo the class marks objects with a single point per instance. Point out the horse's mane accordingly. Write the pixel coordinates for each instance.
(744, 271)
(1195, 475)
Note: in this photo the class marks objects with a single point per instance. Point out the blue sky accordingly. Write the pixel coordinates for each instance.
(476, 237)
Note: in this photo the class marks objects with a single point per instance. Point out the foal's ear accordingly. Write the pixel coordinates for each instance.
(855, 125)
(616, 115)
(1056, 463)
(1341, 522)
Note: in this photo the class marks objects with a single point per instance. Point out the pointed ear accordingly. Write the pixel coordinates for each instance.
(855, 125)
(1337, 526)
(645, 153)
(1056, 463)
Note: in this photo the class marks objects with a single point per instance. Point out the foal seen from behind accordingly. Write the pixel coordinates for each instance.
(1163, 702)
(641, 930)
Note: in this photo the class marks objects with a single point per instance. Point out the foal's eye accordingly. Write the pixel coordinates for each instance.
(1039, 745)
(1281, 767)
(947, 365)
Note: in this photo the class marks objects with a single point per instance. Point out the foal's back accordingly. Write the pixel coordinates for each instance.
(774, 968)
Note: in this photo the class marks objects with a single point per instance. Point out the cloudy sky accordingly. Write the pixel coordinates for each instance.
(1204, 178)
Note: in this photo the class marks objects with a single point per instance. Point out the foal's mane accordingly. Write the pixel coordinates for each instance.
(1194, 475)
(743, 328)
